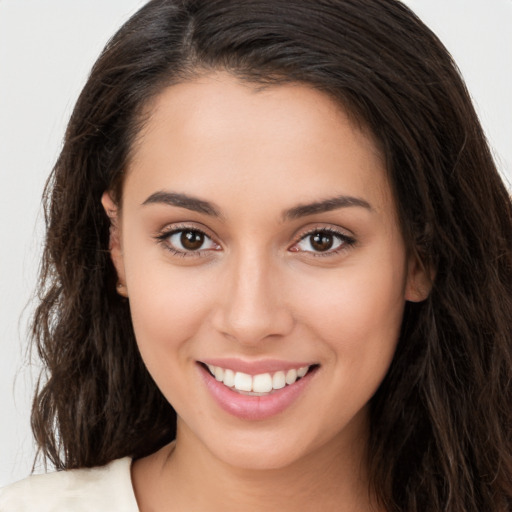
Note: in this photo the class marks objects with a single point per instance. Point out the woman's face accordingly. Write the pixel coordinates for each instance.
(258, 240)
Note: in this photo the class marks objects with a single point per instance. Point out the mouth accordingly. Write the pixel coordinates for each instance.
(252, 396)
(261, 384)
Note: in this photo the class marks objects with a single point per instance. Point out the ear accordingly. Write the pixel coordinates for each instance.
(419, 280)
(115, 246)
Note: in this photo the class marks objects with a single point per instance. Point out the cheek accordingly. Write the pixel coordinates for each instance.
(168, 309)
(165, 310)
(358, 310)
(168, 304)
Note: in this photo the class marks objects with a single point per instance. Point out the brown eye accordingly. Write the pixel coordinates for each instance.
(322, 241)
(188, 241)
(192, 240)
(325, 241)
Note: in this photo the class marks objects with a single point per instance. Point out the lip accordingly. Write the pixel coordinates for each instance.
(254, 408)
(255, 367)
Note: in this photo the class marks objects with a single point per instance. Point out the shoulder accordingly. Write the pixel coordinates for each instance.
(100, 489)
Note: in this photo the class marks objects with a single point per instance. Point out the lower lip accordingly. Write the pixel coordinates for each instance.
(254, 408)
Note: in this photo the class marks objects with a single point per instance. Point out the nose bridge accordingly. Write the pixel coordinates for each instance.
(253, 307)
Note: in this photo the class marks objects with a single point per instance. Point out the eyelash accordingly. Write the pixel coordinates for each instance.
(345, 241)
(164, 239)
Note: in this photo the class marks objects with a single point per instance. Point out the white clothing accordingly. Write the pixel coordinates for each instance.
(103, 489)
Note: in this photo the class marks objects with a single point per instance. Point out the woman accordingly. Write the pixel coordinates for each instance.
(277, 272)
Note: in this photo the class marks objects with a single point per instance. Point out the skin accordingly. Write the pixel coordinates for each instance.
(259, 290)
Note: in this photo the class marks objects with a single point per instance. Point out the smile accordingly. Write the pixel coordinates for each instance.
(256, 394)
(260, 384)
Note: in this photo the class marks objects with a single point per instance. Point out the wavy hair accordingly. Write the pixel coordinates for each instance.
(441, 422)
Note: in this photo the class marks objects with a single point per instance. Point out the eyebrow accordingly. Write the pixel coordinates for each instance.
(326, 205)
(183, 201)
(201, 206)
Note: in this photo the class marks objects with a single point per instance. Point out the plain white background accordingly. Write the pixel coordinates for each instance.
(46, 50)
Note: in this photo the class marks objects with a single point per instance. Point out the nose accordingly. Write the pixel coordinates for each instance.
(251, 305)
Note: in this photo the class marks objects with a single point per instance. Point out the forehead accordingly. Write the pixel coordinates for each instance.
(289, 143)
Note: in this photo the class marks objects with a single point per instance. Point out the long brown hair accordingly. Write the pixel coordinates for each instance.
(441, 422)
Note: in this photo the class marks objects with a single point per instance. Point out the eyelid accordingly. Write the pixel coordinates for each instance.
(348, 240)
(163, 235)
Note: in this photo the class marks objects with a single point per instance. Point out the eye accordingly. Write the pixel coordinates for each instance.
(187, 241)
(325, 241)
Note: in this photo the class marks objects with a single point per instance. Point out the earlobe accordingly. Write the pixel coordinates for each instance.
(419, 280)
(115, 246)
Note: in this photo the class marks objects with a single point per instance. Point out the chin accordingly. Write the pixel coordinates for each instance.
(259, 456)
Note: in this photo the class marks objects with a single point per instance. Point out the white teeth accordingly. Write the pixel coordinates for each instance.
(279, 380)
(219, 373)
(302, 371)
(291, 376)
(243, 382)
(229, 378)
(261, 383)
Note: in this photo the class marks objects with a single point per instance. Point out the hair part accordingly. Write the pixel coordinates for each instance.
(441, 421)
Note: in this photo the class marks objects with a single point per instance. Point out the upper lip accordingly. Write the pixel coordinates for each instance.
(255, 367)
